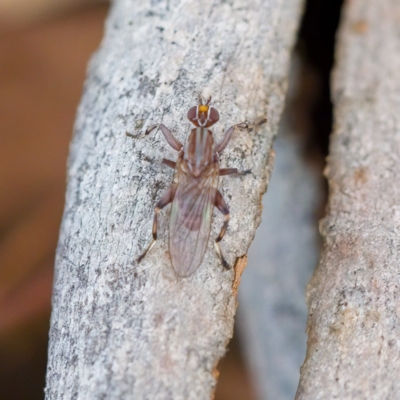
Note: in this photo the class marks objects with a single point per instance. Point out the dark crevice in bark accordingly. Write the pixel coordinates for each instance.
(316, 43)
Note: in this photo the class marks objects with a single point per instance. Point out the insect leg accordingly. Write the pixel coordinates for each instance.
(169, 137)
(222, 206)
(232, 171)
(165, 199)
(169, 163)
(228, 134)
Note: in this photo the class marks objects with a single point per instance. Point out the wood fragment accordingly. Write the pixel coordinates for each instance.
(239, 267)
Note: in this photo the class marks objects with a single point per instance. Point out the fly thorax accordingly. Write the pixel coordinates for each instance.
(199, 150)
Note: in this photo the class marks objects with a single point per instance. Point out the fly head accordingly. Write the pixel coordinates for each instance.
(203, 115)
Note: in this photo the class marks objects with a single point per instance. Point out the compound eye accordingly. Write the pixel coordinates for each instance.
(213, 117)
(192, 115)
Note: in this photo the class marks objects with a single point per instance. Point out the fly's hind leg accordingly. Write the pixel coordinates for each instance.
(165, 200)
(222, 206)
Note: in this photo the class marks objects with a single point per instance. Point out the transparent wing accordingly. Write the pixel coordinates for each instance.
(190, 221)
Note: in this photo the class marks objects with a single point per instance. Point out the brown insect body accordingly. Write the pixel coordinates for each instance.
(196, 178)
(194, 191)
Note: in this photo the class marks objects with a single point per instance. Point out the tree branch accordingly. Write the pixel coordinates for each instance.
(272, 313)
(354, 327)
(124, 330)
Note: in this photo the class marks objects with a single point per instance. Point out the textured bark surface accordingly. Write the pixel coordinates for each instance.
(122, 330)
(272, 313)
(354, 327)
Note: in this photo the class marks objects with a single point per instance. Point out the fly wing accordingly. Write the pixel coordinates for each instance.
(190, 220)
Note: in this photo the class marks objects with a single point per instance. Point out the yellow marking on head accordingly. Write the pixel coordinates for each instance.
(203, 108)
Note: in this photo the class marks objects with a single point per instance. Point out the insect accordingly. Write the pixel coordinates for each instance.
(194, 190)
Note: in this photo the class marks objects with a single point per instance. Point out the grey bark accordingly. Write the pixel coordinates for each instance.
(123, 330)
(354, 327)
(272, 309)
(272, 312)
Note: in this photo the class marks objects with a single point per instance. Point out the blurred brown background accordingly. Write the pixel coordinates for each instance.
(44, 50)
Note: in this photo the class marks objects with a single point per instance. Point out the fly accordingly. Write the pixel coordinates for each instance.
(194, 190)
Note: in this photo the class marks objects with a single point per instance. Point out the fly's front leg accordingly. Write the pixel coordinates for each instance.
(228, 134)
(233, 171)
(165, 200)
(222, 206)
(169, 137)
